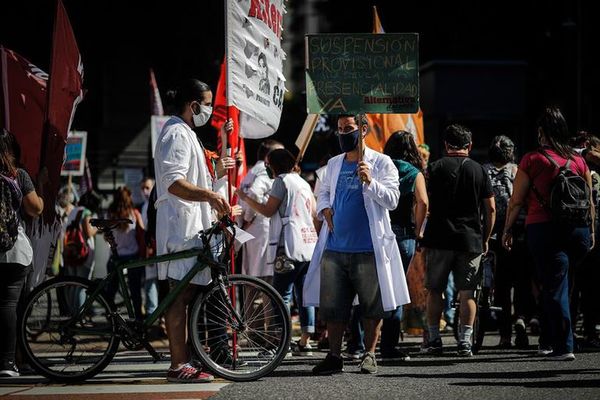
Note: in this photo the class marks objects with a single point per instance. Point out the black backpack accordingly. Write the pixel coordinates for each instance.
(569, 196)
(10, 204)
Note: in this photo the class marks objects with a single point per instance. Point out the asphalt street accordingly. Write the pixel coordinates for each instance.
(492, 374)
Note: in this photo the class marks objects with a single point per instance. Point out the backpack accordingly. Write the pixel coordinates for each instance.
(502, 186)
(569, 196)
(76, 249)
(10, 204)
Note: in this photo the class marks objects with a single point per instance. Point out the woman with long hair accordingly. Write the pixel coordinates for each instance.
(18, 197)
(407, 222)
(555, 246)
(129, 245)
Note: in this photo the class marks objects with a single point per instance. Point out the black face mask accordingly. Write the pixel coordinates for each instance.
(349, 141)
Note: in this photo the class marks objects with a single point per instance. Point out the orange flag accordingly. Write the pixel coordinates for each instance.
(383, 125)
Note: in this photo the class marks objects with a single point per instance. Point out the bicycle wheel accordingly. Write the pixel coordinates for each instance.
(65, 349)
(44, 303)
(246, 351)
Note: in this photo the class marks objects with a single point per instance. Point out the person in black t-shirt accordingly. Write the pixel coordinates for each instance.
(459, 190)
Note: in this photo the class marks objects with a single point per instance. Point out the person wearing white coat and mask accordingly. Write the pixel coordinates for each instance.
(185, 206)
(356, 253)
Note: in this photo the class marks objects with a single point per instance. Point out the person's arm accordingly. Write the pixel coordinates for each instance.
(588, 179)
(89, 230)
(421, 204)
(489, 205)
(521, 186)
(324, 210)
(33, 204)
(384, 190)
(267, 209)
(187, 191)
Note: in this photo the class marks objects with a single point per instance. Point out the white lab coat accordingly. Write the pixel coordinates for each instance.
(380, 196)
(257, 185)
(179, 155)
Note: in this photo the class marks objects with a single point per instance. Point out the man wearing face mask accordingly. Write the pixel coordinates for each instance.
(357, 253)
(185, 205)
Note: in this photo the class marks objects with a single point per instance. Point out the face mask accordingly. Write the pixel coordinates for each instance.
(202, 117)
(348, 141)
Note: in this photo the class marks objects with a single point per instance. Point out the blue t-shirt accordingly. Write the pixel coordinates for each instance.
(351, 232)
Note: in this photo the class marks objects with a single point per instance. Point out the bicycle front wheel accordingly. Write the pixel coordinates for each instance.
(243, 350)
(64, 348)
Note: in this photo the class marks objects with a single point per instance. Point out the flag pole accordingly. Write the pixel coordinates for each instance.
(229, 174)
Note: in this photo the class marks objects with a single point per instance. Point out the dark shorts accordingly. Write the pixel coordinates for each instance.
(343, 276)
(463, 264)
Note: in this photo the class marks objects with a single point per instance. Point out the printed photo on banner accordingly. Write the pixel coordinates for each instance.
(74, 163)
(255, 80)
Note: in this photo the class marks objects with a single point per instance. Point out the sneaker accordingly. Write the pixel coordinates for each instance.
(187, 373)
(330, 365)
(9, 370)
(368, 365)
(504, 344)
(395, 355)
(544, 350)
(434, 347)
(299, 350)
(353, 355)
(521, 339)
(464, 349)
(561, 357)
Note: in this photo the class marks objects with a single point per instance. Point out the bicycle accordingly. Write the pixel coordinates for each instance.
(484, 300)
(239, 326)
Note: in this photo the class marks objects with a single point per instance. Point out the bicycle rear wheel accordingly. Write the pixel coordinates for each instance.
(247, 352)
(66, 349)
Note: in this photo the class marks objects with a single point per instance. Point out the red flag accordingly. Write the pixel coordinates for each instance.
(220, 114)
(156, 102)
(64, 93)
(23, 97)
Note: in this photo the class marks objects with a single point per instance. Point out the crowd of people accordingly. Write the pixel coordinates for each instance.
(339, 251)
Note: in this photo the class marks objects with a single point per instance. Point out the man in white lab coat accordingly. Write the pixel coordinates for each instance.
(357, 253)
(185, 205)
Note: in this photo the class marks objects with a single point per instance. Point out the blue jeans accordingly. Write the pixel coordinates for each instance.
(554, 249)
(292, 283)
(151, 290)
(390, 330)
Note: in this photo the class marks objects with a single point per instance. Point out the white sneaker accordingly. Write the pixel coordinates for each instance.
(561, 357)
(544, 350)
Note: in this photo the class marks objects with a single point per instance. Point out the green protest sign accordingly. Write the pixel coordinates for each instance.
(370, 73)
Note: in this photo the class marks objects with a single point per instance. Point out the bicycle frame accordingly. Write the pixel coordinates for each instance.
(203, 262)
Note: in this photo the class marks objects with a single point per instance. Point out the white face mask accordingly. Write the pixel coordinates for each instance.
(202, 117)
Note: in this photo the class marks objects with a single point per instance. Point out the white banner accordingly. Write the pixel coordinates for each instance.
(255, 81)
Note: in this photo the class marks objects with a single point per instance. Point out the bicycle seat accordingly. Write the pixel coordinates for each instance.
(109, 223)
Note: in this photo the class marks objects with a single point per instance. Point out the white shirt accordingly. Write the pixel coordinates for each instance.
(179, 155)
(256, 184)
(381, 195)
